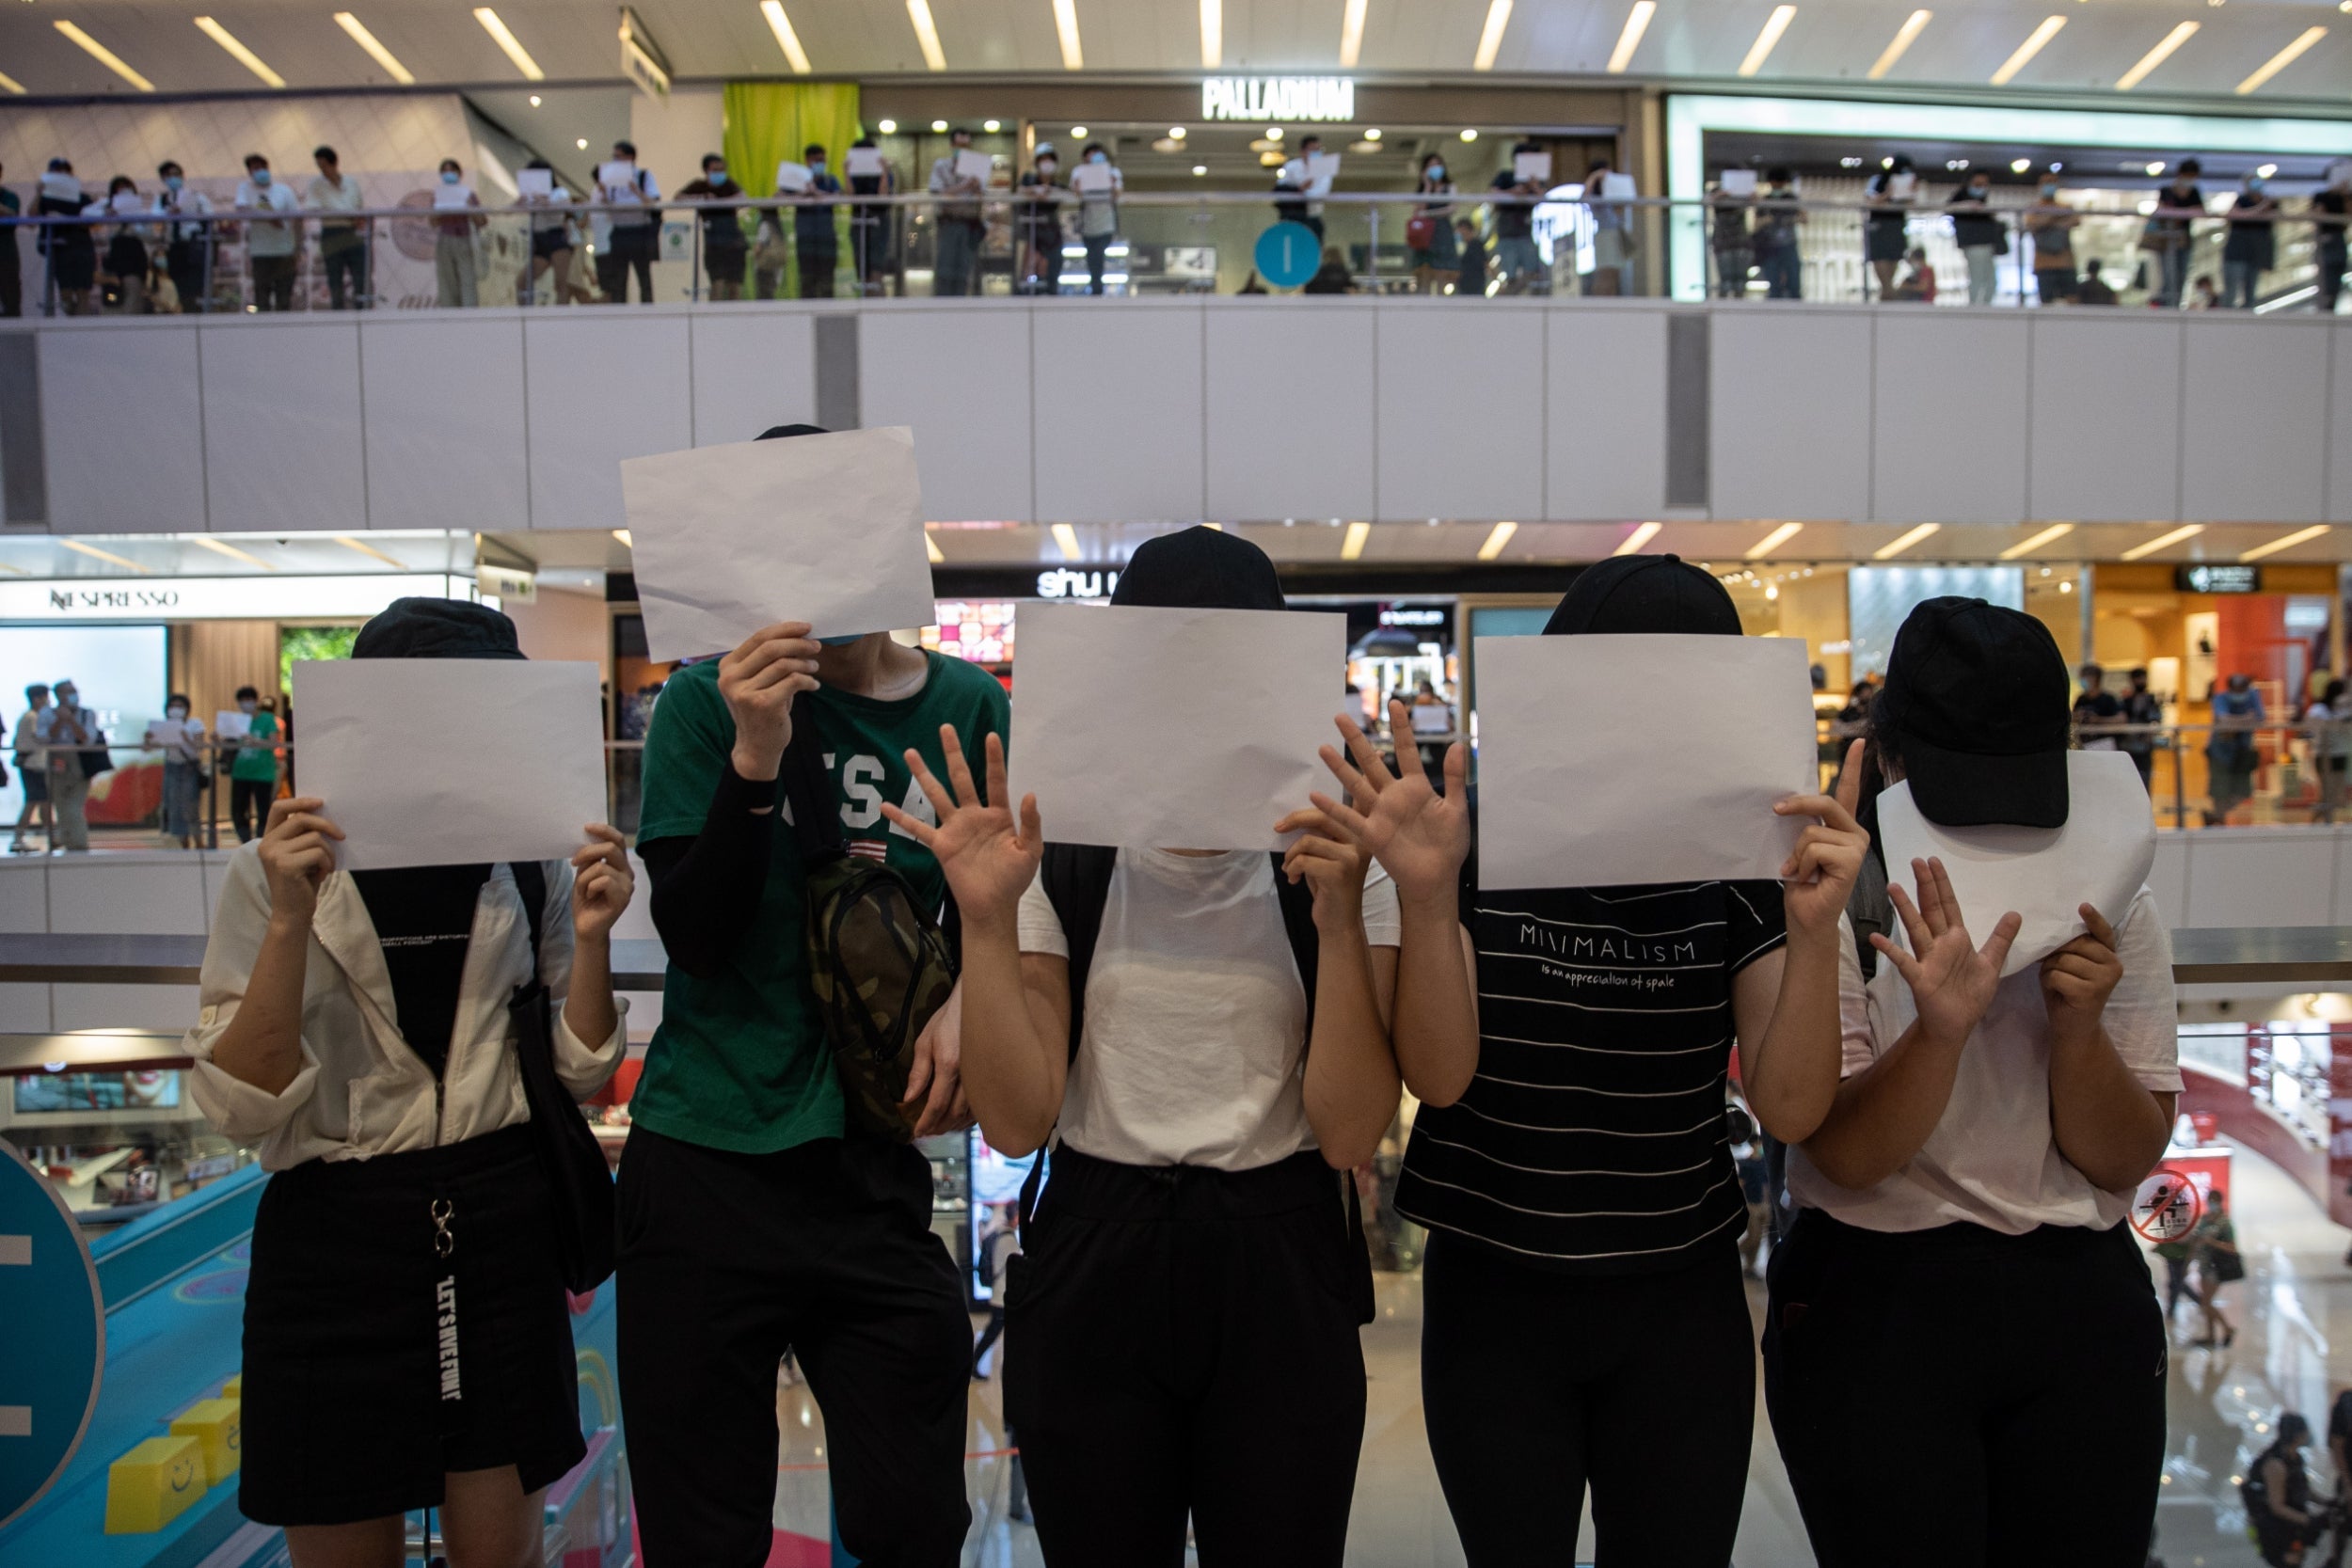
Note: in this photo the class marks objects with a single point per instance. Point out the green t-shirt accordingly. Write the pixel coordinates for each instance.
(256, 761)
(739, 1061)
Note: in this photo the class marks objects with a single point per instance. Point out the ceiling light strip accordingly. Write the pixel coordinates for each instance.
(1888, 552)
(1636, 24)
(237, 51)
(1351, 35)
(2028, 50)
(376, 52)
(504, 37)
(1768, 39)
(9, 83)
(1497, 537)
(1352, 546)
(927, 34)
(347, 542)
(2282, 60)
(1212, 34)
(2056, 531)
(1067, 537)
(1632, 543)
(1491, 36)
(1774, 541)
(104, 55)
(2162, 541)
(94, 552)
(786, 40)
(1066, 30)
(1904, 38)
(2156, 57)
(220, 547)
(2288, 541)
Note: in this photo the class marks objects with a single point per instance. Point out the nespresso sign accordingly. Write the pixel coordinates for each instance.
(1275, 99)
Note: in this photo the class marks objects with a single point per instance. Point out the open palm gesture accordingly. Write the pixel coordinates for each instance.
(1951, 979)
(1419, 837)
(988, 859)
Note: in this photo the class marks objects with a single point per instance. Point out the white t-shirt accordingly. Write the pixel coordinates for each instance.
(1195, 1041)
(1992, 1160)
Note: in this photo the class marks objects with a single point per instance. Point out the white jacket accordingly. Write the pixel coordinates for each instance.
(361, 1090)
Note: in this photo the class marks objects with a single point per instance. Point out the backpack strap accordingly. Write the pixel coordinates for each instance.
(1077, 882)
(531, 882)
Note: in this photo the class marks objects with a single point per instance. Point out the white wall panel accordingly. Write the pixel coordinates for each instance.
(24, 1008)
(960, 375)
(1790, 414)
(1461, 413)
(122, 428)
(80, 1007)
(2107, 398)
(283, 450)
(1290, 392)
(140, 894)
(1604, 413)
(24, 895)
(2254, 399)
(2339, 426)
(600, 386)
(1118, 397)
(752, 372)
(2259, 877)
(447, 446)
(1948, 431)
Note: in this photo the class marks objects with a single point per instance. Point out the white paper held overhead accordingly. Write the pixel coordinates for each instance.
(973, 164)
(535, 181)
(858, 162)
(822, 529)
(1586, 778)
(793, 178)
(451, 761)
(1112, 698)
(230, 724)
(1532, 168)
(2101, 857)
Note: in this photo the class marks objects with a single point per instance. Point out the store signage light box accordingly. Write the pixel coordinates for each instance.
(1278, 98)
(2205, 578)
(259, 598)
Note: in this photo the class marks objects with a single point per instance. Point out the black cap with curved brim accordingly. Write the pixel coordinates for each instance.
(1975, 707)
(1645, 594)
(775, 431)
(1200, 568)
(437, 629)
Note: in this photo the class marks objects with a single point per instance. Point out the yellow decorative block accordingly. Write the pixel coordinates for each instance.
(233, 1388)
(153, 1485)
(217, 1425)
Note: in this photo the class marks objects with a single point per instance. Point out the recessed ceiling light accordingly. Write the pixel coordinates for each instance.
(237, 51)
(1491, 36)
(1630, 39)
(1200, 168)
(1372, 134)
(2028, 50)
(375, 51)
(1077, 132)
(2019, 165)
(991, 126)
(1212, 34)
(927, 34)
(581, 142)
(939, 126)
(534, 100)
(888, 127)
(1176, 133)
(104, 55)
(1274, 132)
(504, 37)
(786, 40)
(1470, 132)
(2267, 170)
(2154, 169)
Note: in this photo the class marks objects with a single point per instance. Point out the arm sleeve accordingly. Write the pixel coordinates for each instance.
(1383, 921)
(235, 1108)
(2141, 1019)
(1040, 926)
(1857, 1039)
(707, 889)
(1755, 921)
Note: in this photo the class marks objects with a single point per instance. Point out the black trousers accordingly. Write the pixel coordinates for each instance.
(1535, 1384)
(248, 805)
(726, 1259)
(185, 259)
(817, 257)
(1926, 1387)
(1184, 1341)
(345, 263)
(11, 281)
(628, 247)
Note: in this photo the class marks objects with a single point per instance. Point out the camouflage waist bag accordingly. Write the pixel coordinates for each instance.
(877, 961)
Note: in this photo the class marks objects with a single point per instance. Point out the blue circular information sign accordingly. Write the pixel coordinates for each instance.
(56, 1339)
(1288, 255)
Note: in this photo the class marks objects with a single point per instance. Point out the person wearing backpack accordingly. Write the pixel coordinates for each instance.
(2277, 1492)
(406, 1340)
(1583, 1310)
(1989, 1125)
(764, 1201)
(1197, 1040)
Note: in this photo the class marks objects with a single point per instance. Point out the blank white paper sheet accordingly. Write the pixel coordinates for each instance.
(1606, 761)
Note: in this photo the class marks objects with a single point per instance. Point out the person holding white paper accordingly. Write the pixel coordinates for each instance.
(1201, 1037)
(755, 1215)
(956, 263)
(253, 771)
(1583, 1310)
(629, 238)
(1885, 234)
(1987, 1130)
(184, 770)
(406, 1340)
(1037, 224)
(456, 216)
(816, 244)
(553, 239)
(1099, 185)
(726, 251)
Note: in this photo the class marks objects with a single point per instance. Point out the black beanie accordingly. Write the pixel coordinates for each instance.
(1200, 568)
(773, 431)
(437, 629)
(1645, 594)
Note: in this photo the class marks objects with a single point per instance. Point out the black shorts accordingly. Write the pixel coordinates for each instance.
(1885, 242)
(725, 263)
(35, 782)
(345, 1410)
(547, 242)
(2057, 282)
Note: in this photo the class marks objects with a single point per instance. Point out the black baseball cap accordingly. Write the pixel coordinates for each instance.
(1200, 568)
(1645, 594)
(1975, 707)
(437, 629)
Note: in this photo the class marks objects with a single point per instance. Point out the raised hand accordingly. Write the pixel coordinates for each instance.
(758, 681)
(601, 884)
(2077, 979)
(1332, 861)
(298, 853)
(1951, 979)
(1819, 874)
(1418, 835)
(988, 859)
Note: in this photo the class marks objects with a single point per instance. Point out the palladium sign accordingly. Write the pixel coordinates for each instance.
(1274, 99)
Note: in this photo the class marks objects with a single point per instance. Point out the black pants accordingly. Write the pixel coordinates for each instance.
(1184, 1341)
(627, 247)
(273, 282)
(726, 1260)
(1926, 1389)
(990, 1334)
(185, 259)
(1098, 246)
(12, 280)
(2332, 261)
(248, 805)
(817, 256)
(1535, 1384)
(345, 263)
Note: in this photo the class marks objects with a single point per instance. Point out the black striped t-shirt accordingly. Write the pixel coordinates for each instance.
(1592, 1139)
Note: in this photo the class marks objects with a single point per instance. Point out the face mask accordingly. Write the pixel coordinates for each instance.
(247, 705)
(817, 166)
(1437, 171)
(449, 177)
(2050, 189)
(839, 642)
(173, 183)
(175, 711)
(2255, 187)
(261, 177)
(1098, 158)
(715, 176)
(1046, 166)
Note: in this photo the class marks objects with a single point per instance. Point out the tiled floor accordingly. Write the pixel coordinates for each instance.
(2298, 1292)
